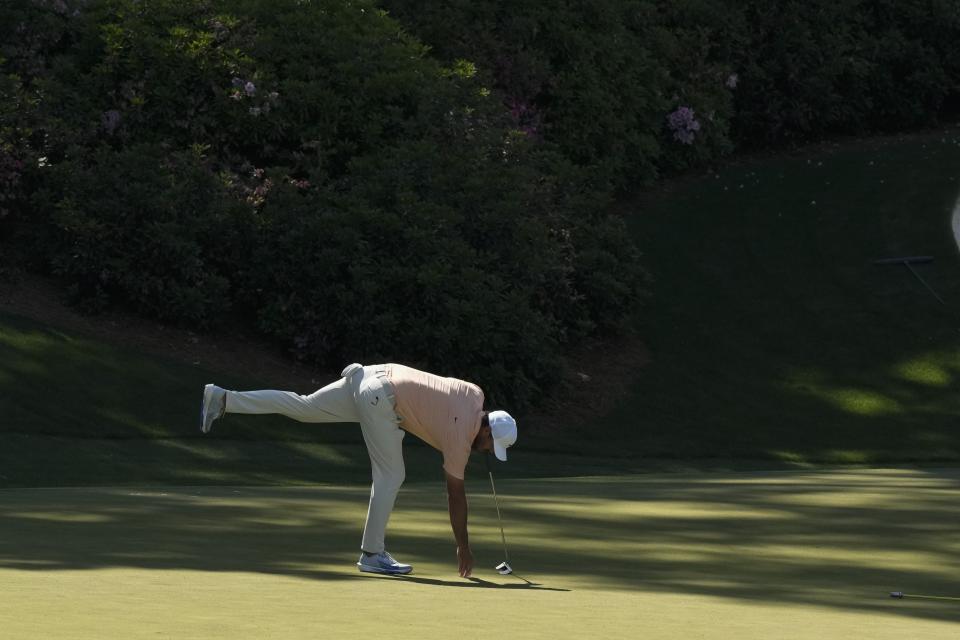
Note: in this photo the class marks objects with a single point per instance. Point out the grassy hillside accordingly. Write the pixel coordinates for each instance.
(774, 336)
(76, 410)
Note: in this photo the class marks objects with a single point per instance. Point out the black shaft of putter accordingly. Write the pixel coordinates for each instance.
(496, 501)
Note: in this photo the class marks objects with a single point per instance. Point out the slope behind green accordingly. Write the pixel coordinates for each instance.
(774, 336)
(76, 411)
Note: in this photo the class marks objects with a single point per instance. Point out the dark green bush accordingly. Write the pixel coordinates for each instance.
(24, 36)
(597, 79)
(136, 225)
(12, 162)
(813, 68)
(600, 79)
(308, 166)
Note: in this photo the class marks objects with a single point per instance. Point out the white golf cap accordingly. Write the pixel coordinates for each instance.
(504, 430)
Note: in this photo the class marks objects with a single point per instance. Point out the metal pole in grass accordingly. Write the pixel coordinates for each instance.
(907, 262)
(900, 595)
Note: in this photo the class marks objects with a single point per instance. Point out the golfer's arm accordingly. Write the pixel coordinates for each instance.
(457, 504)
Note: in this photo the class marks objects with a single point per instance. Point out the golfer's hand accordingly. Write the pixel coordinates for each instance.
(465, 556)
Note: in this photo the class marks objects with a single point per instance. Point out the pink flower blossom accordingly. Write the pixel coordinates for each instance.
(683, 124)
(110, 120)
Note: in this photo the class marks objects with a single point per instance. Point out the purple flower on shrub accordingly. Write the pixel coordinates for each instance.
(732, 81)
(110, 120)
(257, 196)
(683, 124)
(237, 82)
(525, 116)
(250, 88)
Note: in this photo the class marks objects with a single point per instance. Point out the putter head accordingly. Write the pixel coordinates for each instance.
(504, 569)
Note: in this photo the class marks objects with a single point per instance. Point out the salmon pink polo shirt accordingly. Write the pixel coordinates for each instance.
(443, 412)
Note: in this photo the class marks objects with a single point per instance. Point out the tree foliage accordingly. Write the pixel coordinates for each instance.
(308, 167)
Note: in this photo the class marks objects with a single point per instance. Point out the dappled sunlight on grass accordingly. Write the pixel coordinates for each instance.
(847, 456)
(132, 421)
(823, 538)
(918, 388)
(201, 450)
(38, 346)
(861, 401)
(622, 511)
(792, 457)
(62, 516)
(25, 340)
(908, 560)
(323, 454)
(926, 371)
(83, 411)
(772, 332)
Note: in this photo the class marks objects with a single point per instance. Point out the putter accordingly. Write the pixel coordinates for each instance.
(504, 567)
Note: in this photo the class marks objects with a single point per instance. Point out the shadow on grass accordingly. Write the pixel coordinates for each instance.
(472, 582)
(839, 540)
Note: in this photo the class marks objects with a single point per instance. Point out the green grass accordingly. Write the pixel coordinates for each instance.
(772, 333)
(61, 384)
(775, 342)
(77, 411)
(794, 555)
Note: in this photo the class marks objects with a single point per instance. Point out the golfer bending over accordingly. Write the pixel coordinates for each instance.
(388, 400)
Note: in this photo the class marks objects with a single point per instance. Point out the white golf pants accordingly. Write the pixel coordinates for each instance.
(364, 395)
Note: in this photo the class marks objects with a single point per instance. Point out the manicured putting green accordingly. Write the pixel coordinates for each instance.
(747, 555)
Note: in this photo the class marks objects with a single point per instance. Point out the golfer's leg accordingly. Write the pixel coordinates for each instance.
(332, 403)
(384, 444)
(384, 440)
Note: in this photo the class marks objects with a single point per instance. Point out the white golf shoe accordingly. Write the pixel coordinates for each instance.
(213, 407)
(382, 562)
